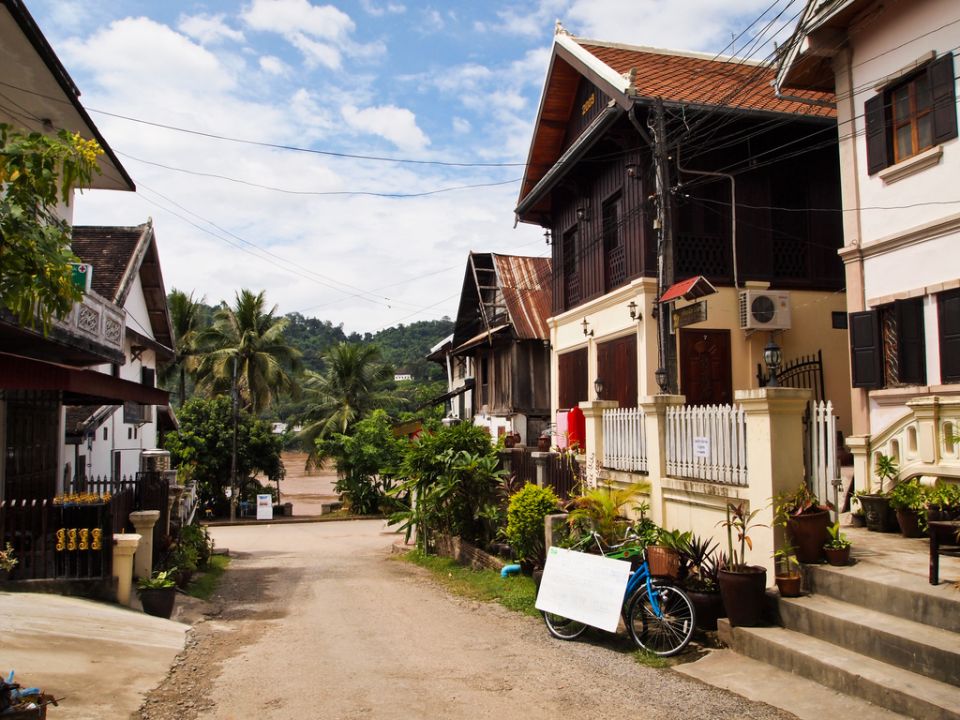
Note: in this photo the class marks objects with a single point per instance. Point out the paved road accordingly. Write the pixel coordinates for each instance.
(320, 622)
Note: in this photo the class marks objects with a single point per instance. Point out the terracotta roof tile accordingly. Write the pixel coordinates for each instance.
(687, 78)
(109, 250)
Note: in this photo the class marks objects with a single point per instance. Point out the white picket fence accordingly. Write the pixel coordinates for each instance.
(707, 443)
(624, 440)
(823, 471)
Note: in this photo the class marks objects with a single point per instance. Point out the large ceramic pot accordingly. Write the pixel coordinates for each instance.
(909, 522)
(744, 594)
(876, 508)
(809, 534)
(158, 601)
(708, 608)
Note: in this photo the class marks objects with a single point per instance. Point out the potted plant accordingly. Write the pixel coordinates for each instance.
(787, 571)
(698, 567)
(742, 586)
(943, 502)
(805, 520)
(909, 501)
(158, 593)
(876, 506)
(857, 518)
(7, 562)
(838, 547)
(663, 557)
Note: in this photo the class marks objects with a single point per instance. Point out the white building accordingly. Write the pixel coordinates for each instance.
(893, 70)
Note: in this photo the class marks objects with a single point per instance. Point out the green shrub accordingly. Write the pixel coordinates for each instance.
(525, 515)
(908, 496)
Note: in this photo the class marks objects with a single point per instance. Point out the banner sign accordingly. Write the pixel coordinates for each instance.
(582, 587)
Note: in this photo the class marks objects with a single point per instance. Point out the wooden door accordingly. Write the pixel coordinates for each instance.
(705, 372)
(617, 367)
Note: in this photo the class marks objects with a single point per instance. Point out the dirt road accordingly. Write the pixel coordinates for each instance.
(320, 622)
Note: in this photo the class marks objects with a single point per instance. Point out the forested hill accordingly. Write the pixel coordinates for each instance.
(404, 346)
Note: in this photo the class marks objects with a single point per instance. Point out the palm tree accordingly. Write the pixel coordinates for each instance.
(253, 339)
(185, 318)
(350, 388)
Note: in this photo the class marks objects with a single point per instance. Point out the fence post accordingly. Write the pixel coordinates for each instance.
(540, 458)
(593, 414)
(143, 522)
(655, 426)
(774, 459)
(124, 546)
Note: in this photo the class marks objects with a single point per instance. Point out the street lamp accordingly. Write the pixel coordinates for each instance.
(598, 388)
(772, 357)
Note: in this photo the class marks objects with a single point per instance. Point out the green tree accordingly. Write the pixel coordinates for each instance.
(204, 444)
(186, 316)
(367, 460)
(254, 338)
(351, 387)
(37, 172)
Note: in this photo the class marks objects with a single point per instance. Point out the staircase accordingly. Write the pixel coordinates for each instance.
(875, 630)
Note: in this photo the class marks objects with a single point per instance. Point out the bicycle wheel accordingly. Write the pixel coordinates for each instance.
(668, 632)
(563, 628)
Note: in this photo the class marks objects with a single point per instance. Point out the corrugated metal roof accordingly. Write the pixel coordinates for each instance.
(525, 283)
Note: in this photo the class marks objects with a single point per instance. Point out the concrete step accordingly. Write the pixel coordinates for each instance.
(909, 645)
(847, 671)
(885, 589)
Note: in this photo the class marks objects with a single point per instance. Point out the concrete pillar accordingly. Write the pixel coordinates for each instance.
(593, 414)
(926, 410)
(540, 458)
(143, 522)
(774, 460)
(124, 546)
(859, 446)
(655, 425)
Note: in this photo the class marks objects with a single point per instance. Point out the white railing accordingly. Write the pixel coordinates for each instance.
(707, 443)
(624, 440)
(96, 319)
(823, 471)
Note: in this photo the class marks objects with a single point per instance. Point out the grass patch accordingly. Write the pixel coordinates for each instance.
(516, 593)
(648, 659)
(204, 585)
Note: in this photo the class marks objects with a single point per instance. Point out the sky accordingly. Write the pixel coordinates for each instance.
(439, 98)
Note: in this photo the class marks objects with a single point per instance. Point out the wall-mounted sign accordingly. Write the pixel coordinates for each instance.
(690, 314)
(588, 103)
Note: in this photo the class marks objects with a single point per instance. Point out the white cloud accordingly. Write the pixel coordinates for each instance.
(208, 29)
(398, 125)
(432, 21)
(461, 126)
(315, 53)
(298, 16)
(376, 10)
(272, 65)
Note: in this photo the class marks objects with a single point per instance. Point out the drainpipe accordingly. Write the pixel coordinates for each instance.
(733, 208)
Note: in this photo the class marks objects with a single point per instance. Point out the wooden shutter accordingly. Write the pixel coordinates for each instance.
(910, 341)
(875, 114)
(944, 99)
(148, 376)
(948, 317)
(572, 380)
(617, 367)
(866, 350)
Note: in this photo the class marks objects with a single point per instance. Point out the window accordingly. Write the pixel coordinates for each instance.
(948, 321)
(571, 275)
(912, 115)
(613, 252)
(887, 346)
(104, 433)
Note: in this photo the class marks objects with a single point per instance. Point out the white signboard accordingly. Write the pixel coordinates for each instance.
(264, 507)
(701, 446)
(582, 587)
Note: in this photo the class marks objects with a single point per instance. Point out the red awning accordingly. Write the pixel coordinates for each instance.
(79, 386)
(689, 289)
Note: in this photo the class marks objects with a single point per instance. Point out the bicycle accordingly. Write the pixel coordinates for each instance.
(659, 616)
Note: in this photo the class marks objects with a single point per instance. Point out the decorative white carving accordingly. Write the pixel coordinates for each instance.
(88, 320)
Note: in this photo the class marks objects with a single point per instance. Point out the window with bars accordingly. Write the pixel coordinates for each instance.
(911, 115)
(613, 251)
(571, 268)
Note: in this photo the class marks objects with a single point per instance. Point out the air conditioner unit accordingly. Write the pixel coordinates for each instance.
(764, 310)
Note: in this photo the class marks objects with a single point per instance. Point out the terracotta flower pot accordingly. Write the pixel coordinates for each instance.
(838, 556)
(789, 585)
(809, 534)
(744, 594)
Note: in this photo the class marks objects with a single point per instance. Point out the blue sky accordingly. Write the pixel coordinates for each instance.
(453, 82)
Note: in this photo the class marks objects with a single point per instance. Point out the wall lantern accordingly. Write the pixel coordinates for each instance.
(587, 332)
(598, 388)
(582, 213)
(633, 171)
(635, 313)
(661, 377)
(546, 236)
(772, 357)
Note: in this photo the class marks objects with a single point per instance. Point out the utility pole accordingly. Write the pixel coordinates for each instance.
(233, 460)
(665, 264)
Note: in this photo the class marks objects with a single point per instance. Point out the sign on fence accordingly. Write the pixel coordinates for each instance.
(582, 587)
(701, 447)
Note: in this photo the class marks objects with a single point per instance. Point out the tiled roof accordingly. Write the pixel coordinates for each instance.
(525, 283)
(109, 250)
(701, 80)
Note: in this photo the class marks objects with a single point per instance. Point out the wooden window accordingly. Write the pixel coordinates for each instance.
(572, 378)
(571, 269)
(617, 367)
(912, 115)
(148, 377)
(866, 349)
(105, 433)
(911, 356)
(887, 345)
(613, 250)
(948, 321)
